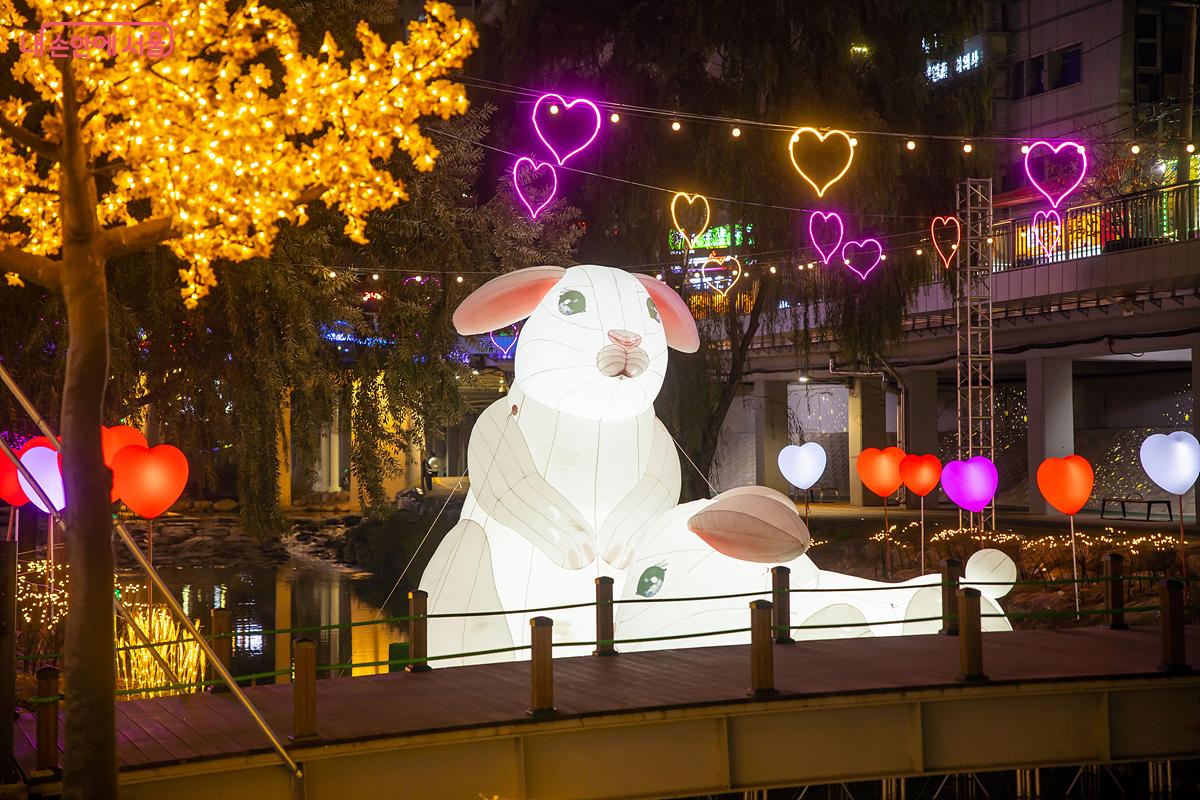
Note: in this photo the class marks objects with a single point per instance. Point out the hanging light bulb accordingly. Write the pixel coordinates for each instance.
(736, 132)
(554, 108)
(614, 118)
(920, 252)
(1025, 149)
(968, 147)
(910, 144)
(332, 274)
(675, 126)
(1191, 148)
(853, 142)
(458, 279)
(374, 276)
(1135, 149)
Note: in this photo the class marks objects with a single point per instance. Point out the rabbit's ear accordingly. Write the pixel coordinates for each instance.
(504, 300)
(676, 317)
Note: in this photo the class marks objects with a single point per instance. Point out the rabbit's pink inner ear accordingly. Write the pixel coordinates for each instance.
(504, 300)
(677, 318)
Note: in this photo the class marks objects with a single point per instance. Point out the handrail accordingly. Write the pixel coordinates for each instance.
(151, 573)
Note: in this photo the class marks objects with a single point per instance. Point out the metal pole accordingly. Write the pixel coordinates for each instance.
(922, 534)
(1074, 567)
(172, 603)
(177, 609)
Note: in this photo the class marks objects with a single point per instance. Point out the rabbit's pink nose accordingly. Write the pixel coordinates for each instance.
(626, 339)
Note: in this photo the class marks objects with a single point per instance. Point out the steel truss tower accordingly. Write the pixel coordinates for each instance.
(973, 330)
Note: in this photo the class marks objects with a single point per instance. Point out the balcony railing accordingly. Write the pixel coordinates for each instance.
(1144, 219)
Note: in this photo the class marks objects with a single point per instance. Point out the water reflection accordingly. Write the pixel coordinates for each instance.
(293, 596)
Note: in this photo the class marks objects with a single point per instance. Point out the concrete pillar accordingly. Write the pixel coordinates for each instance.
(1196, 392)
(334, 438)
(921, 422)
(868, 428)
(1050, 405)
(285, 457)
(770, 432)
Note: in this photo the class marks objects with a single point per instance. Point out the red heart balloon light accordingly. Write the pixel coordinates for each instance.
(1066, 483)
(10, 487)
(116, 438)
(149, 480)
(920, 473)
(879, 470)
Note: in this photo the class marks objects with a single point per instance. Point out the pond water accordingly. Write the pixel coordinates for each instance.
(296, 594)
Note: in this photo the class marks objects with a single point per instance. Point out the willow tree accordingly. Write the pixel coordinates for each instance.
(206, 150)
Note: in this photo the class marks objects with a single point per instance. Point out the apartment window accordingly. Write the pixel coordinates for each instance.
(1065, 66)
(1035, 76)
(1017, 86)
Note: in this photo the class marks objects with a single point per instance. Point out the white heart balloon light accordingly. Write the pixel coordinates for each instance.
(42, 463)
(803, 465)
(1172, 460)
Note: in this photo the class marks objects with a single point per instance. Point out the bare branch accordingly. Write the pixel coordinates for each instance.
(41, 270)
(116, 242)
(28, 138)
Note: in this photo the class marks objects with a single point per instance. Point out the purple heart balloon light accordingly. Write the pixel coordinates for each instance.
(820, 233)
(970, 484)
(1052, 222)
(524, 173)
(855, 253)
(1075, 151)
(566, 127)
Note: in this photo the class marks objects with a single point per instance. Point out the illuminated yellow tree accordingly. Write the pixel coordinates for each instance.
(207, 151)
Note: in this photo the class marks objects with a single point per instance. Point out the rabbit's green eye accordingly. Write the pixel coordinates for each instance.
(571, 302)
(652, 309)
(652, 580)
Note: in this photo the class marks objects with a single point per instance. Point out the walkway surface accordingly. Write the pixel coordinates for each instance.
(194, 728)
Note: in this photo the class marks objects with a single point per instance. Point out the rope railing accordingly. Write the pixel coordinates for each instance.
(936, 581)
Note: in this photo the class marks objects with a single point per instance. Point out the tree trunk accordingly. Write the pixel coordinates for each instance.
(90, 761)
(695, 486)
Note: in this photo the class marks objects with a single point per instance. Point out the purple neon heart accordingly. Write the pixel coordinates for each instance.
(504, 351)
(529, 163)
(970, 484)
(564, 107)
(825, 253)
(1077, 149)
(847, 256)
(1040, 218)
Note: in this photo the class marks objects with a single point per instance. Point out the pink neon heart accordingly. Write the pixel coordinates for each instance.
(825, 253)
(1077, 149)
(563, 108)
(504, 351)
(529, 163)
(1041, 218)
(847, 255)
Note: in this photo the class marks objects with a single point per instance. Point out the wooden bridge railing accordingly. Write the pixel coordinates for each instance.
(769, 626)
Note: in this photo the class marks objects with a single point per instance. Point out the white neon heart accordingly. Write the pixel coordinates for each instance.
(803, 465)
(42, 463)
(1172, 460)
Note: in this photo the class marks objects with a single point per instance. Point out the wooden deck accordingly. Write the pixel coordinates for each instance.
(193, 729)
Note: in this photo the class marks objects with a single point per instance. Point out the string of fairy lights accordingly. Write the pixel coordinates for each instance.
(827, 230)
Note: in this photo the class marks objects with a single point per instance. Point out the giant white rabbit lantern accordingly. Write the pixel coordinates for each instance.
(573, 477)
